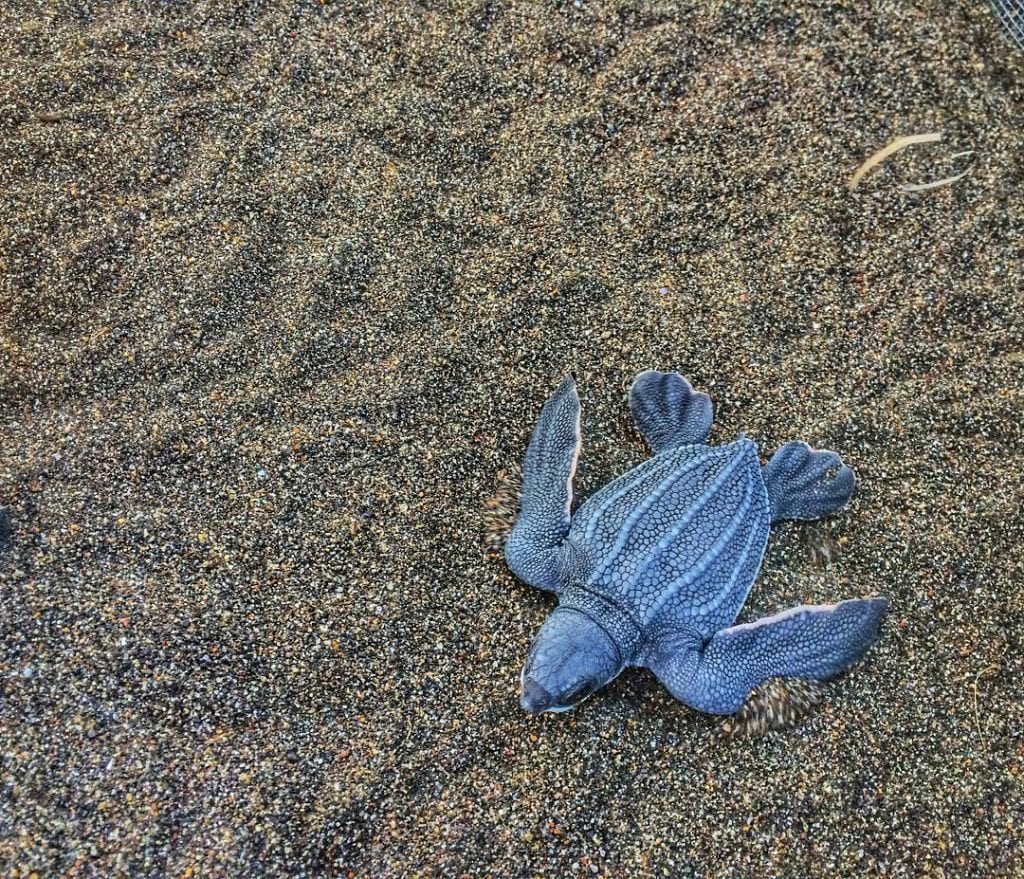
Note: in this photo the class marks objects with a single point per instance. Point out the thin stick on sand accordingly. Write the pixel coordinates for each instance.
(934, 184)
(887, 151)
(984, 673)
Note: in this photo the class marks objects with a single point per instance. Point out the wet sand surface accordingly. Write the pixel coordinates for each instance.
(283, 289)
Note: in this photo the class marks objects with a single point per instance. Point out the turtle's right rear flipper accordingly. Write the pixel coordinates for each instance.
(806, 484)
(668, 411)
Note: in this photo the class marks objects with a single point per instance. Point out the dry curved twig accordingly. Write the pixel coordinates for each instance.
(886, 151)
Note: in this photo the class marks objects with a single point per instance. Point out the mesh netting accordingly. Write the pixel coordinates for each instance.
(1011, 12)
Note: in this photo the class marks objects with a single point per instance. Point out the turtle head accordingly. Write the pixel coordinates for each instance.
(571, 657)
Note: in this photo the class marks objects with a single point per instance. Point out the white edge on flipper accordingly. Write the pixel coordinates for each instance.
(779, 617)
(575, 461)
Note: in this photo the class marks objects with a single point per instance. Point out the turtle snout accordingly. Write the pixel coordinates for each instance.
(534, 698)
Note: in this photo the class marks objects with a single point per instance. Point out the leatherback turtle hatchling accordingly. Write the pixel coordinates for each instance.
(654, 568)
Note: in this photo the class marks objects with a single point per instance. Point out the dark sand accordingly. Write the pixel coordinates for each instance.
(283, 288)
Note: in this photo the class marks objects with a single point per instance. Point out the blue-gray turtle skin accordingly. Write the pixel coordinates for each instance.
(654, 568)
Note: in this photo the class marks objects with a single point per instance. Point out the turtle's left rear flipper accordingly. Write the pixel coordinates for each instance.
(813, 642)
(806, 483)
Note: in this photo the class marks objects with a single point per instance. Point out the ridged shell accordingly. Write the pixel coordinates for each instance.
(680, 536)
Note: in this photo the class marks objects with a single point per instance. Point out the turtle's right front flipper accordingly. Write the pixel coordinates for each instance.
(535, 548)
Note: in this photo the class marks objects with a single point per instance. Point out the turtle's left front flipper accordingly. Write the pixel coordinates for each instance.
(814, 642)
(535, 550)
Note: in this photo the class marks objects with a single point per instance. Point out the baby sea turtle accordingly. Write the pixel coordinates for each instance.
(654, 568)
